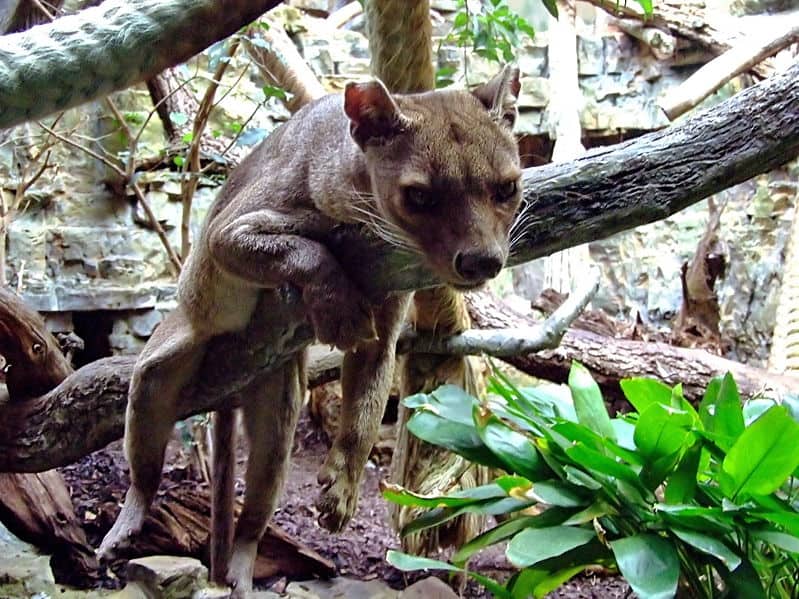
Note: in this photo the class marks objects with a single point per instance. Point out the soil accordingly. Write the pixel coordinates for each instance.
(358, 552)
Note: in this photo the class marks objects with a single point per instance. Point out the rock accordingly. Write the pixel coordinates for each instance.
(429, 588)
(132, 590)
(168, 576)
(340, 588)
(23, 572)
(214, 592)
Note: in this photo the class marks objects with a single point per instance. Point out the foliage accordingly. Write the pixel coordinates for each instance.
(704, 499)
(490, 28)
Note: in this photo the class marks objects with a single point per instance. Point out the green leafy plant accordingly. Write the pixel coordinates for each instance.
(493, 30)
(701, 500)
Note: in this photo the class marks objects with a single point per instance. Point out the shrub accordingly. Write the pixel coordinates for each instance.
(701, 500)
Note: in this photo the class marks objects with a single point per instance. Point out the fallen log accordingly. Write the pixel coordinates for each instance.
(180, 522)
(37, 508)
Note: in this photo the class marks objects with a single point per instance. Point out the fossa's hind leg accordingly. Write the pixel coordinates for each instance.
(170, 358)
(271, 407)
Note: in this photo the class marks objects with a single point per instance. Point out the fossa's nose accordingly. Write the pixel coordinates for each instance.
(478, 266)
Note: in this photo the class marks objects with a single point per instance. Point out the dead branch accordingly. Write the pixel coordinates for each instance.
(685, 19)
(738, 59)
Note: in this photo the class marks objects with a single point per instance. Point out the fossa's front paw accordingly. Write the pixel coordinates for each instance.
(341, 316)
(339, 497)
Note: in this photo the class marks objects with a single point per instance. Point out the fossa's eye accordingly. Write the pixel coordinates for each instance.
(504, 192)
(419, 199)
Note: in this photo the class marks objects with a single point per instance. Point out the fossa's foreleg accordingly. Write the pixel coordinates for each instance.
(366, 377)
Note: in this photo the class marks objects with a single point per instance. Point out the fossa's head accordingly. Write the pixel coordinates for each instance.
(445, 173)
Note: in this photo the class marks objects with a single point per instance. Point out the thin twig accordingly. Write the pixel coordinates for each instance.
(44, 10)
(159, 230)
(502, 343)
(173, 257)
(114, 167)
(235, 138)
(192, 166)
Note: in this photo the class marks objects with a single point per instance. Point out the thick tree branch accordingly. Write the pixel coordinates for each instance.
(109, 47)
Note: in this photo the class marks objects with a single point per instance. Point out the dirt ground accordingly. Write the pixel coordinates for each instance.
(358, 551)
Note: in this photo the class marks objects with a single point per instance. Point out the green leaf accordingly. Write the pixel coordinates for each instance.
(461, 20)
(448, 401)
(710, 545)
(534, 545)
(188, 137)
(642, 393)
(588, 402)
(552, 7)
(459, 438)
(515, 450)
(179, 161)
(597, 462)
(400, 496)
(681, 483)
(744, 582)
(270, 91)
(592, 512)
(704, 519)
(409, 563)
(787, 542)
(646, 5)
(729, 419)
(547, 518)
(661, 431)
(650, 565)
(788, 520)
(535, 582)
(578, 477)
(763, 457)
(437, 516)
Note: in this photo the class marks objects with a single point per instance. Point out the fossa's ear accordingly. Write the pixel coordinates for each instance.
(373, 113)
(499, 95)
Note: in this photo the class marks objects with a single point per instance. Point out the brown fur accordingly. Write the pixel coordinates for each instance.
(266, 229)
